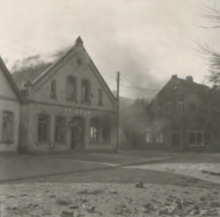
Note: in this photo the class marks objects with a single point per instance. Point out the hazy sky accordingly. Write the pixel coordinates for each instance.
(146, 40)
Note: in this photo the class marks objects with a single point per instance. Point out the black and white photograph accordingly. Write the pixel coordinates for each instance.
(110, 108)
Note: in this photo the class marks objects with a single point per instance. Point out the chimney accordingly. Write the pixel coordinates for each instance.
(79, 40)
(174, 76)
(189, 79)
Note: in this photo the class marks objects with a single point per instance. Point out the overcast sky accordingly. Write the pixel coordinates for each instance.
(146, 40)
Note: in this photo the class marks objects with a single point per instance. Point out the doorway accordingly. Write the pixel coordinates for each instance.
(77, 133)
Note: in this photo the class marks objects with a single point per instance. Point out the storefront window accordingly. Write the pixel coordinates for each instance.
(94, 130)
(106, 131)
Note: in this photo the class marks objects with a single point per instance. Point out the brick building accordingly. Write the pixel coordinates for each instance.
(10, 100)
(68, 105)
(185, 116)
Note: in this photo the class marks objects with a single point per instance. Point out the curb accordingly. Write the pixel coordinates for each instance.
(83, 170)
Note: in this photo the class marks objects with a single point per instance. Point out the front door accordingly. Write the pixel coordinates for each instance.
(77, 133)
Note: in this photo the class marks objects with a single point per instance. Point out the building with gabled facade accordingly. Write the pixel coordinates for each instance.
(184, 116)
(10, 101)
(68, 105)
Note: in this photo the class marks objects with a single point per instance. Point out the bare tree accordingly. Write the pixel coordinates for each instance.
(213, 15)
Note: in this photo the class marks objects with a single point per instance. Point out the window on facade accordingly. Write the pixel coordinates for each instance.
(78, 129)
(106, 131)
(181, 106)
(100, 102)
(148, 137)
(8, 126)
(71, 88)
(169, 106)
(94, 130)
(60, 129)
(196, 138)
(85, 91)
(159, 138)
(43, 128)
(53, 89)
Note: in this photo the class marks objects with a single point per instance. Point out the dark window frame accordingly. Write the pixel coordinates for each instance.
(8, 126)
(85, 96)
(53, 89)
(196, 138)
(100, 97)
(71, 88)
(43, 137)
(95, 128)
(60, 120)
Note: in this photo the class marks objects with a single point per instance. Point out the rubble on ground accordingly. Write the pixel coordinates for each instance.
(108, 200)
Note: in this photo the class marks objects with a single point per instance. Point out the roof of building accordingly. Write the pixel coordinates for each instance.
(31, 68)
(188, 84)
(33, 72)
(10, 80)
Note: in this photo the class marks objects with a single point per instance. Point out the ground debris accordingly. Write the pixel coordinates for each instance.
(215, 204)
(67, 214)
(139, 185)
(91, 192)
(64, 201)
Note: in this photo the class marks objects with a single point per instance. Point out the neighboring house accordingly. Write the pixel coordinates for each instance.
(10, 100)
(68, 105)
(185, 116)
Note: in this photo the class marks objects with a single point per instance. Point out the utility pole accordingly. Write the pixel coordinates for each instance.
(117, 111)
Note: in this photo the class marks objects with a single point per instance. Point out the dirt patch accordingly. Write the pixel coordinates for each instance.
(70, 200)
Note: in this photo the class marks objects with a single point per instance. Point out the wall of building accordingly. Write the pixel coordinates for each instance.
(12, 106)
(9, 102)
(30, 125)
(41, 92)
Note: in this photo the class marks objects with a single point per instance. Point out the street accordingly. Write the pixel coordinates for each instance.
(171, 187)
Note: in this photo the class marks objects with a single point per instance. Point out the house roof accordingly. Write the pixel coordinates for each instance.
(31, 68)
(188, 85)
(10, 80)
(34, 73)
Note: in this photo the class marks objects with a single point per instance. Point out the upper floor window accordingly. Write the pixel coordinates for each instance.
(60, 129)
(71, 88)
(85, 91)
(7, 126)
(169, 106)
(53, 89)
(181, 106)
(100, 100)
(43, 127)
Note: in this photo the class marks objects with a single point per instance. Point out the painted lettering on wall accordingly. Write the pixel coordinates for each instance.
(77, 111)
